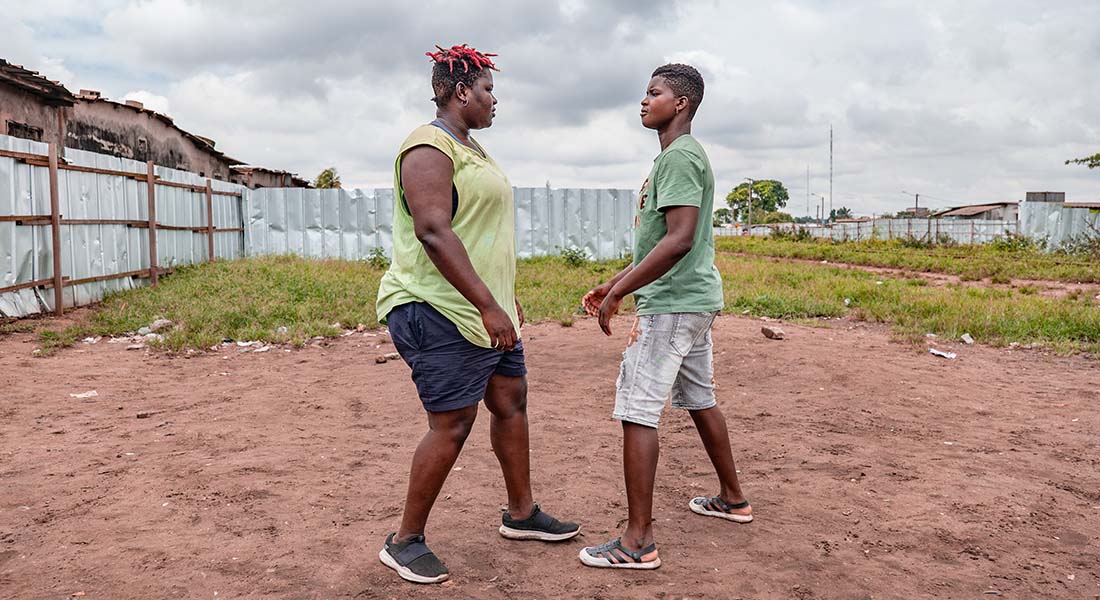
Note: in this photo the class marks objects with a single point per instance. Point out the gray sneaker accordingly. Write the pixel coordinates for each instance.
(413, 561)
(539, 526)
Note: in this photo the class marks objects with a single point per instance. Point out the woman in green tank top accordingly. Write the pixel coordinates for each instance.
(449, 300)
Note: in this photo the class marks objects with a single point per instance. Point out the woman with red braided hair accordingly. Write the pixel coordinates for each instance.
(449, 300)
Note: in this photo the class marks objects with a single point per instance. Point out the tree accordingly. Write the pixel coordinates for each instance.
(773, 217)
(327, 179)
(769, 196)
(840, 213)
(1092, 162)
(723, 216)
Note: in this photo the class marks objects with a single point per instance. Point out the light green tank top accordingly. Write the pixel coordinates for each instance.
(484, 222)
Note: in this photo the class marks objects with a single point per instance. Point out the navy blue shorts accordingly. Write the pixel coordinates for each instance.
(449, 372)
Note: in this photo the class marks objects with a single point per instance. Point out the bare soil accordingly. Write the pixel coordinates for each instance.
(875, 470)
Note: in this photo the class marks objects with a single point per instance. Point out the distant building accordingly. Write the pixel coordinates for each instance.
(260, 177)
(130, 130)
(997, 211)
(31, 106)
(1045, 197)
(917, 212)
(35, 108)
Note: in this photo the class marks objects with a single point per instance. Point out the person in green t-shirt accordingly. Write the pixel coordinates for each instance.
(449, 299)
(678, 292)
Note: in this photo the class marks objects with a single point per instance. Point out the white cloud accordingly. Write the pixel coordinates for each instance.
(963, 102)
(150, 101)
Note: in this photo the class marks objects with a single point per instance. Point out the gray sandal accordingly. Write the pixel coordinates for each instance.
(613, 555)
(716, 507)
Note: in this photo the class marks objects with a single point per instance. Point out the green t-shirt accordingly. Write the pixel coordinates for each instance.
(485, 223)
(681, 176)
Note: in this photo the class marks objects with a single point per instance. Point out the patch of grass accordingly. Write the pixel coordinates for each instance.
(17, 327)
(551, 287)
(241, 300)
(1013, 258)
(251, 299)
(50, 340)
(998, 316)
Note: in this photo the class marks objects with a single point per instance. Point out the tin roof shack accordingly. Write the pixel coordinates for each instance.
(254, 177)
(998, 211)
(31, 106)
(916, 212)
(132, 131)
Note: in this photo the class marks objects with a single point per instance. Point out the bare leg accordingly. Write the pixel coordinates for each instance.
(435, 456)
(506, 399)
(716, 439)
(641, 449)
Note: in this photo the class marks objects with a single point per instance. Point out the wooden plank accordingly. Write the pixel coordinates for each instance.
(209, 222)
(197, 188)
(17, 218)
(38, 160)
(38, 221)
(138, 273)
(151, 193)
(24, 156)
(98, 171)
(29, 284)
(200, 229)
(182, 186)
(55, 231)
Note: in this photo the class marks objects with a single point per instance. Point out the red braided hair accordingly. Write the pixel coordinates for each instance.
(463, 55)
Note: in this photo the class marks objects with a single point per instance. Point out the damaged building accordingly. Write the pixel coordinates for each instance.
(36, 108)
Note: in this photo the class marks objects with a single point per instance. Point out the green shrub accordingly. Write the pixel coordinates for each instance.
(574, 257)
(378, 259)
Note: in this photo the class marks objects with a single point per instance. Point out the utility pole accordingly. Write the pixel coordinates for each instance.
(916, 201)
(807, 190)
(822, 209)
(751, 182)
(831, 170)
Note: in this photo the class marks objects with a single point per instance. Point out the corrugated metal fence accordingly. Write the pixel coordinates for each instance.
(100, 209)
(962, 231)
(103, 219)
(350, 224)
(1057, 223)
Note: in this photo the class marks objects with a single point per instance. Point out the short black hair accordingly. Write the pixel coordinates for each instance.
(684, 80)
(454, 65)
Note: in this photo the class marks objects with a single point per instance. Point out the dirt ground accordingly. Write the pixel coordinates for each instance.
(875, 471)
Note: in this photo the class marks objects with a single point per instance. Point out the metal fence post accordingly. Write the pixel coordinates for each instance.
(150, 186)
(55, 231)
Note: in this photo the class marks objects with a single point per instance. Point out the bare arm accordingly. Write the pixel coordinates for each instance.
(426, 177)
(676, 244)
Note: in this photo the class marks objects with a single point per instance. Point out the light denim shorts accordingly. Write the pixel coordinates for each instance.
(667, 356)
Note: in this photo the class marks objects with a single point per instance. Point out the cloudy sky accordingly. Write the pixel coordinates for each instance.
(963, 102)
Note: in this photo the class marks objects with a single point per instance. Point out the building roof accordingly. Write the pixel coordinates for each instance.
(207, 144)
(248, 169)
(1082, 204)
(974, 209)
(53, 92)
